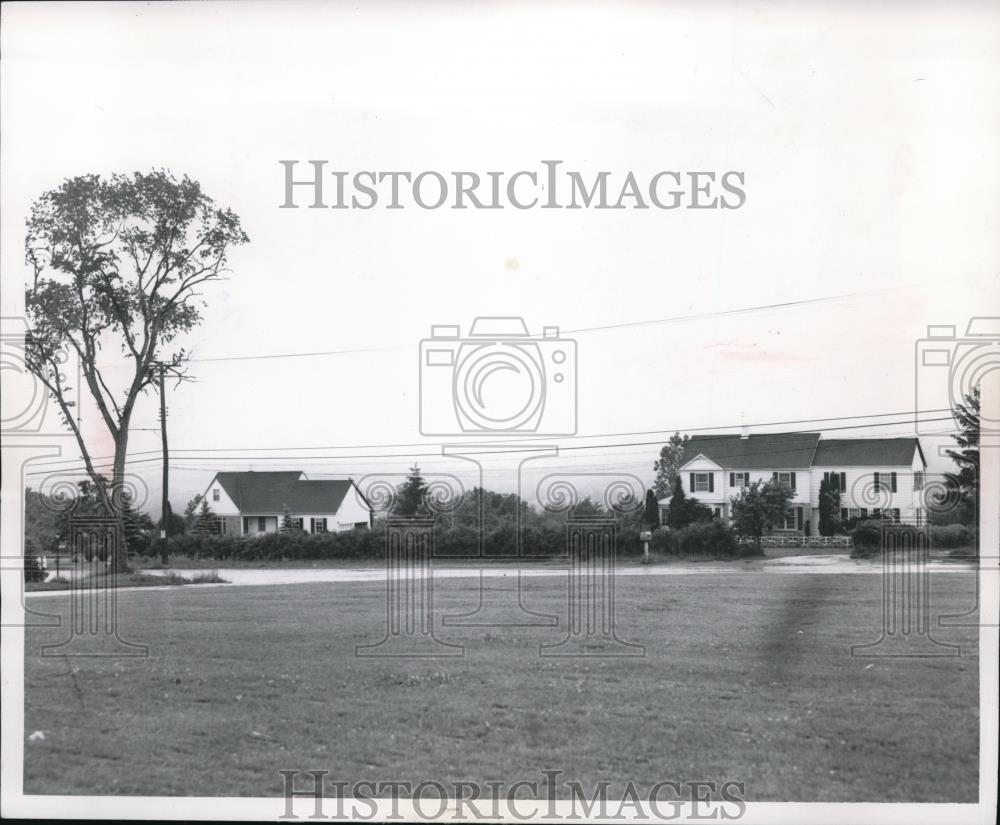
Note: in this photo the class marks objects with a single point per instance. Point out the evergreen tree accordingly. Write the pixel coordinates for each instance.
(286, 520)
(411, 493)
(134, 527)
(829, 507)
(207, 522)
(682, 510)
(966, 481)
(651, 515)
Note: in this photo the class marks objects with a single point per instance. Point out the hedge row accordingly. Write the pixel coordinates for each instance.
(868, 536)
(538, 541)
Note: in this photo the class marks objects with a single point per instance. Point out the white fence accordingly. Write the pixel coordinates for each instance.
(802, 541)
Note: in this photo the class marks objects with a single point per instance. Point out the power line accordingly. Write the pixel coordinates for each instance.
(529, 436)
(624, 325)
(520, 448)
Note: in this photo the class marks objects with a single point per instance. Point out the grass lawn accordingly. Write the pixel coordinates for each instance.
(747, 677)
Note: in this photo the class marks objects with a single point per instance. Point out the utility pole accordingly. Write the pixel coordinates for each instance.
(164, 530)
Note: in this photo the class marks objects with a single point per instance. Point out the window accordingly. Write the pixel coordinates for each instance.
(918, 517)
(702, 483)
(784, 479)
(295, 523)
(261, 524)
(789, 523)
(317, 525)
(739, 479)
(717, 512)
(361, 525)
(918, 481)
(877, 512)
(839, 479)
(215, 494)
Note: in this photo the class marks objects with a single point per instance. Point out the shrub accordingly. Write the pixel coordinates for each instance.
(951, 536)
(867, 538)
(662, 541)
(707, 538)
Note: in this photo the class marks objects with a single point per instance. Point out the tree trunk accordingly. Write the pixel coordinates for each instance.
(120, 559)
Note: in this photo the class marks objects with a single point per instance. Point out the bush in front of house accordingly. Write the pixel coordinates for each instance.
(708, 538)
(867, 538)
(662, 541)
(952, 536)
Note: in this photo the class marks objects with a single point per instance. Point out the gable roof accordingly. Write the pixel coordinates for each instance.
(272, 492)
(867, 452)
(756, 452)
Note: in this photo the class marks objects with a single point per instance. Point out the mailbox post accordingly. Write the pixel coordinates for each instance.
(645, 536)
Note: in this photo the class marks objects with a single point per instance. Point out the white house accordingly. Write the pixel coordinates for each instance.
(253, 503)
(876, 477)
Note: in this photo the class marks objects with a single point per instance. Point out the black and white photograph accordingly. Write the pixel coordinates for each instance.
(432, 411)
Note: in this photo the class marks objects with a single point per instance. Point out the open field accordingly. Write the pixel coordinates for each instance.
(746, 677)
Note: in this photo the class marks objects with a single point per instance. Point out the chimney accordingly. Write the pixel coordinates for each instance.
(744, 428)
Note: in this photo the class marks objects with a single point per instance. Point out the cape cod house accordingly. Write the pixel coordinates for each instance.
(254, 503)
(876, 477)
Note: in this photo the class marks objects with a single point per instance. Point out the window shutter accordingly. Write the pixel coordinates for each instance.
(774, 477)
(843, 514)
(691, 481)
(864, 512)
(892, 482)
(711, 482)
(732, 479)
(876, 482)
(843, 482)
(798, 518)
(826, 476)
(793, 481)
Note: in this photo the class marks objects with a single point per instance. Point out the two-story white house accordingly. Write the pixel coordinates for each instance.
(254, 503)
(876, 477)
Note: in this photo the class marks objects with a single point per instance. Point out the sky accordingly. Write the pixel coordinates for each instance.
(866, 134)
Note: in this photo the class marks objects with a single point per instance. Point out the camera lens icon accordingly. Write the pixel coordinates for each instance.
(955, 364)
(497, 380)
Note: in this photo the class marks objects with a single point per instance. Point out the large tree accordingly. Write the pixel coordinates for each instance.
(965, 482)
(668, 464)
(118, 264)
(759, 507)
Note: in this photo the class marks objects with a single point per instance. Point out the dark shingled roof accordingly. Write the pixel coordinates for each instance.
(272, 492)
(756, 452)
(866, 452)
